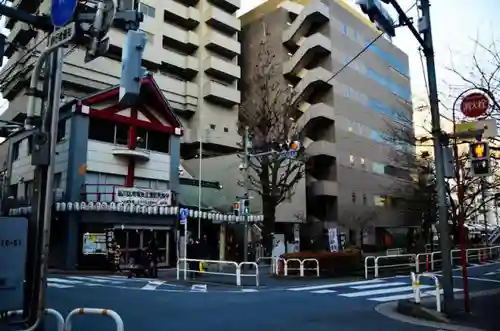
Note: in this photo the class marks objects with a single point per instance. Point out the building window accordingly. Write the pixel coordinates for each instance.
(158, 141)
(352, 161)
(212, 126)
(362, 162)
(15, 150)
(147, 10)
(365, 200)
(226, 129)
(29, 142)
(121, 134)
(28, 190)
(102, 130)
(13, 191)
(142, 138)
(61, 131)
(353, 197)
(57, 180)
(379, 200)
(378, 168)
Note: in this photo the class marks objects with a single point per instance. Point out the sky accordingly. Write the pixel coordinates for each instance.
(455, 24)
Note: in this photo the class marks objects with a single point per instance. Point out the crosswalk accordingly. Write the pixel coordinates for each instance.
(379, 290)
(66, 282)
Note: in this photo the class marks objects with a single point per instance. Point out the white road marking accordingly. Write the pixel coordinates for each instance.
(381, 291)
(87, 279)
(323, 291)
(393, 297)
(480, 279)
(59, 285)
(63, 281)
(249, 290)
(365, 287)
(321, 287)
(151, 286)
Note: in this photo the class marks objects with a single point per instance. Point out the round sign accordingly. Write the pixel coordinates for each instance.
(62, 11)
(474, 105)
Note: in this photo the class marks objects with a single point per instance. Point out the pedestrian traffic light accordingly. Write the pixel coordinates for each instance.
(246, 207)
(236, 208)
(378, 15)
(480, 158)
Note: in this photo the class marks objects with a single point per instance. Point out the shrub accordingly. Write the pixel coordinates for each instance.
(330, 263)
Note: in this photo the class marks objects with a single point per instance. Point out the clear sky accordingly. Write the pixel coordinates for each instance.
(456, 24)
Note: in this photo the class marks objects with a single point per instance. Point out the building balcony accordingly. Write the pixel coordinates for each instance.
(224, 95)
(324, 188)
(311, 49)
(315, 13)
(230, 6)
(182, 40)
(19, 36)
(314, 116)
(221, 20)
(187, 17)
(191, 3)
(137, 154)
(222, 45)
(185, 66)
(221, 69)
(29, 6)
(322, 149)
(313, 80)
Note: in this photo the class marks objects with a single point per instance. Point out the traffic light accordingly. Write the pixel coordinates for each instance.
(378, 15)
(246, 207)
(480, 158)
(132, 71)
(236, 208)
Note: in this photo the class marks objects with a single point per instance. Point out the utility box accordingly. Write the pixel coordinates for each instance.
(13, 251)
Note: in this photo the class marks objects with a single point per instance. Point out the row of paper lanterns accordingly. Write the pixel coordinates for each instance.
(137, 209)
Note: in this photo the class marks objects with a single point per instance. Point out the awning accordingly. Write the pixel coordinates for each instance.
(212, 199)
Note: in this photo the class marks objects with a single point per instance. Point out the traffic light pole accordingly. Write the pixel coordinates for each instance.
(246, 174)
(428, 49)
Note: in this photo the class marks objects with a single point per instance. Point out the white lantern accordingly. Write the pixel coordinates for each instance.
(91, 206)
(112, 206)
(176, 211)
(162, 210)
(144, 210)
(155, 210)
(29, 209)
(76, 206)
(191, 213)
(69, 206)
(58, 206)
(205, 215)
(150, 210)
(104, 206)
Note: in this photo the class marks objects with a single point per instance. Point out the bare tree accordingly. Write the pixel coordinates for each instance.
(268, 111)
(359, 219)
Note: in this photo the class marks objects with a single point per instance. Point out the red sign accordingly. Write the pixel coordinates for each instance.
(474, 105)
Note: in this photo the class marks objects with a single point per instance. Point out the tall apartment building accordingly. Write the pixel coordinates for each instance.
(191, 51)
(344, 116)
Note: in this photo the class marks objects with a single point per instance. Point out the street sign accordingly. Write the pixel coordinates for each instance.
(183, 214)
(487, 128)
(475, 104)
(61, 11)
(63, 35)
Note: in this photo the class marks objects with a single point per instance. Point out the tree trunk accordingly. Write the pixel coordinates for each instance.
(269, 209)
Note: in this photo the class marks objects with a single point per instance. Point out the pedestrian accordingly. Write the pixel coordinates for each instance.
(152, 251)
(114, 255)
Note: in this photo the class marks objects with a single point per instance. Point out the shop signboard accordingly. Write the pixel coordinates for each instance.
(143, 197)
(94, 243)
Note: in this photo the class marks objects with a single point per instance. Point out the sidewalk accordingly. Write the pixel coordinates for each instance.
(485, 313)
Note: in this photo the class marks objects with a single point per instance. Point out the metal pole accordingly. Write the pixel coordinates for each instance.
(199, 187)
(461, 213)
(447, 279)
(185, 247)
(56, 65)
(485, 210)
(245, 238)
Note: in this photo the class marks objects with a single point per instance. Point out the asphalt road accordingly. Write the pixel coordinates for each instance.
(313, 305)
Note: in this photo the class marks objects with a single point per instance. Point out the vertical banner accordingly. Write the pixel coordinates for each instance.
(333, 240)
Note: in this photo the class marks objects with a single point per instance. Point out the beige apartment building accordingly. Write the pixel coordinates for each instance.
(192, 52)
(345, 112)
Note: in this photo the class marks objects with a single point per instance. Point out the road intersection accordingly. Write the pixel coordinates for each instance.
(315, 305)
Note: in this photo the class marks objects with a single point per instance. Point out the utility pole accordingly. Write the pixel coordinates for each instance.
(377, 14)
(428, 48)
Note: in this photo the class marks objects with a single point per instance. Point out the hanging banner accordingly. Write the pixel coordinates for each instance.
(143, 197)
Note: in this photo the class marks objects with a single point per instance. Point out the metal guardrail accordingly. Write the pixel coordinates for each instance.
(94, 311)
(58, 316)
(237, 273)
(275, 263)
(415, 281)
(431, 259)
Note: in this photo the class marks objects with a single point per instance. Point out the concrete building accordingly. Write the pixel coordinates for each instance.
(117, 176)
(344, 107)
(192, 51)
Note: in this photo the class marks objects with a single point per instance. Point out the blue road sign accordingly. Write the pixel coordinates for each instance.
(61, 11)
(183, 214)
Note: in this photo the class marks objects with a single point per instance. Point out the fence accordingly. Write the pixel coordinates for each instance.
(65, 324)
(94, 311)
(431, 260)
(415, 281)
(301, 265)
(237, 269)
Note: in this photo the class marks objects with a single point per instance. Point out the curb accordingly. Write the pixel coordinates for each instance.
(390, 310)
